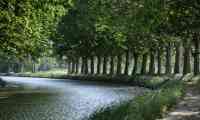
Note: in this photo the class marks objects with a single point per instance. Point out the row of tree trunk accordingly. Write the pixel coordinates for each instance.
(154, 59)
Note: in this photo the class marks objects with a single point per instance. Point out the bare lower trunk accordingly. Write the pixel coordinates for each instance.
(73, 66)
(69, 67)
(119, 64)
(126, 72)
(92, 65)
(77, 65)
(196, 54)
(152, 63)
(105, 65)
(187, 64)
(159, 62)
(168, 60)
(144, 64)
(98, 65)
(177, 59)
(135, 67)
(82, 65)
(112, 65)
(86, 65)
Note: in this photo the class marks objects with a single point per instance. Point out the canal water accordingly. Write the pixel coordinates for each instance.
(55, 99)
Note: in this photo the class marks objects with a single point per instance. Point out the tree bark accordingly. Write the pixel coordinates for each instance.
(69, 67)
(82, 65)
(112, 65)
(86, 65)
(77, 66)
(187, 64)
(119, 64)
(105, 65)
(135, 67)
(33, 67)
(73, 66)
(92, 65)
(98, 65)
(22, 67)
(126, 71)
(152, 63)
(168, 65)
(177, 59)
(144, 64)
(159, 62)
(196, 54)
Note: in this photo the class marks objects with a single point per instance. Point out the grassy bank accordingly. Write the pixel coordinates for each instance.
(147, 107)
(148, 81)
(54, 73)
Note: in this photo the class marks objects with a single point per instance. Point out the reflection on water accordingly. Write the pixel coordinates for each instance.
(45, 99)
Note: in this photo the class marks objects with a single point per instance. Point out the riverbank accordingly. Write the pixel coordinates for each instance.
(148, 107)
(177, 100)
(148, 81)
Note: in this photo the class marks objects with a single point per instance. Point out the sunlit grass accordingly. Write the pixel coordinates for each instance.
(49, 73)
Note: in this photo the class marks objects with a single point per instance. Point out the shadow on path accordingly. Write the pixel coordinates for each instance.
(188, 108)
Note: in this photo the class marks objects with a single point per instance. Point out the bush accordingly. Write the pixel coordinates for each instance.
(147, 107)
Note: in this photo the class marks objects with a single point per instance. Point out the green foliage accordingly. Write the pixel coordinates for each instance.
(183, 16)
(25, 25)
(96, 27)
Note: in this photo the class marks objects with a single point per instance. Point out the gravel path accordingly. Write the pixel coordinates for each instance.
(188, 108)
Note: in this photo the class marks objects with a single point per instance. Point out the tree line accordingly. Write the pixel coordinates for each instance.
(151, 31)
(152, 34)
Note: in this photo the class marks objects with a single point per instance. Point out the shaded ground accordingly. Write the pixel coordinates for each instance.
(189, 107)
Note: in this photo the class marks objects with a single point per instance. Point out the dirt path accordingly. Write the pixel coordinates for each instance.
(188, 108)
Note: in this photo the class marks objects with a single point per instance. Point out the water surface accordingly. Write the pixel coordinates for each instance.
(54, 99)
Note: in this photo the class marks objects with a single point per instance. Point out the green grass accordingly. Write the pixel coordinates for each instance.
(50, 73)
(147, 107)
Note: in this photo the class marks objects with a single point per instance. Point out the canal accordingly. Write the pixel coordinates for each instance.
(56, 99)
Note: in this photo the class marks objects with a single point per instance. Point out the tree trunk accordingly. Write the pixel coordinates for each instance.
(152, 63)
(126, 71)
(69, 67)
(159, 62)
(77, 65)
(92, 65)
(196, 54)
(119, 64)
(22, 67)
(73, 66)
(82, 65)
(144, 64)
(104, 65)
(135, 67)
(98, 65)
(33, 67)
(168, 60)
(187, 64)
(177, 59)
(112, 65)
(86, 65)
